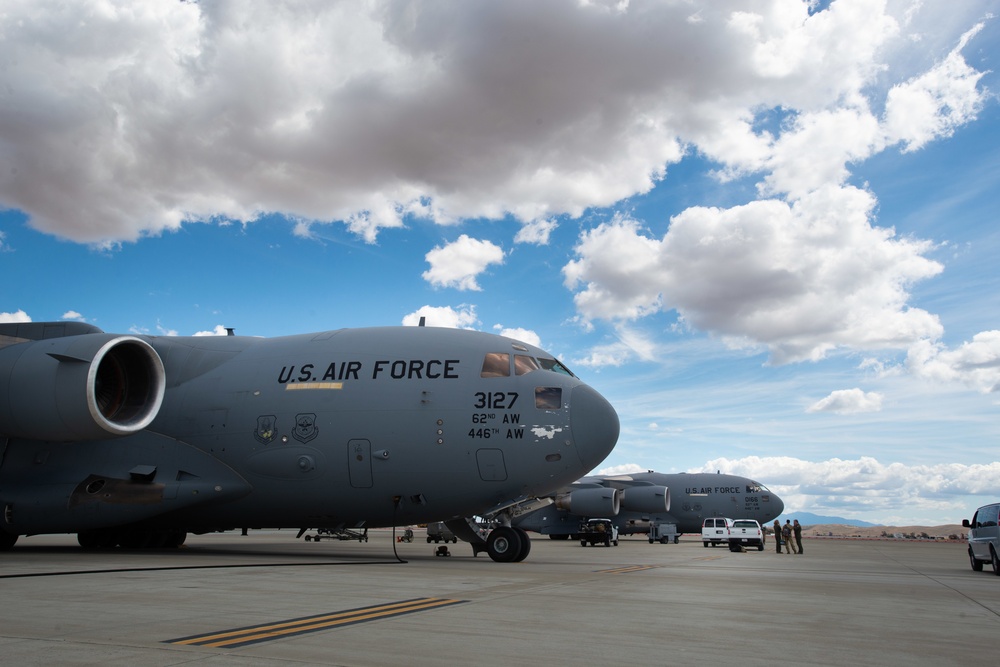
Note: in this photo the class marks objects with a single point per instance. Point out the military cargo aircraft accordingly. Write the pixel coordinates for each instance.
(635, 501)
(136, 441)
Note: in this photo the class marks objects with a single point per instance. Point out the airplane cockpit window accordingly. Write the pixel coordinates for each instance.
(523, 364)
(548, 398)
(554, 365)
(496, 365)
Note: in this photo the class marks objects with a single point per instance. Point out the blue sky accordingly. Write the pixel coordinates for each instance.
(765, 231)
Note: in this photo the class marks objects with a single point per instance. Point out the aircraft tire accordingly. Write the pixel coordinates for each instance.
(977, 566)
(503, 544)
(135, 538)
(7, 540)
(995, 561)
(525, 545)
(99, 538)
(175, 537)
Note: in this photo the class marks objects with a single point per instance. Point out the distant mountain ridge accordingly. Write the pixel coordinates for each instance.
(810, 519)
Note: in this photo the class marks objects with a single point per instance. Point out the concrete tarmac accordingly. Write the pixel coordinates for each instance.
(269, 599)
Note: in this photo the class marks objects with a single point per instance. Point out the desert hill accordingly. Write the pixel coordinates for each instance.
(839, 530)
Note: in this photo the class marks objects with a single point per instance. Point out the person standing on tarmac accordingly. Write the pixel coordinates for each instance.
(777, 536)
(797, 530)
(786, 535)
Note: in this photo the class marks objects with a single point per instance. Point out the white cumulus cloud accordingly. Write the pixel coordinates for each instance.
(458, 264)
(848, 402)
(889, 493)
(463, 317)
(17, 316)
(801, 280)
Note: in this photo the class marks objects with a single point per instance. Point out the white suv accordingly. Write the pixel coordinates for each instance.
(984, 537)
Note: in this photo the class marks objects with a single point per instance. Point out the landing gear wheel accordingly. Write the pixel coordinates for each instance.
(977, 566)
(174, 538)
(504, 544)
(135, 538)
(99, 538)
(525, 545)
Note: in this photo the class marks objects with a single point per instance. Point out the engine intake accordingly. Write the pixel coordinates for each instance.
(83, 387)
(597, 502)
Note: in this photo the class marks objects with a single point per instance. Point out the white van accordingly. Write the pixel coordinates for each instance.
(715, 531)
(984, 537)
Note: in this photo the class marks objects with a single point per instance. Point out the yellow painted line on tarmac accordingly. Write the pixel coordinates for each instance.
(298, 626)
(628, 568)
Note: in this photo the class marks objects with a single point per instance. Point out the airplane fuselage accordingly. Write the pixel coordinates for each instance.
(690, 498)
(365, 427)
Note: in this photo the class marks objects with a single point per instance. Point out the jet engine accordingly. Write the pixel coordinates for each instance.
(646, 499)
(597, 502)
(82, 387)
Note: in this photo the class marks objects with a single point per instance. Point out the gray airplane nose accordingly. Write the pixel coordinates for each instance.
(777, 505)
(595, 425)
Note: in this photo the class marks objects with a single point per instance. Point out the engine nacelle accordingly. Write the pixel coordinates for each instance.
(646, 499)
(83, 387)
(597, 502)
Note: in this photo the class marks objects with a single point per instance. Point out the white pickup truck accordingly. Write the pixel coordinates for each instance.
(745, 533)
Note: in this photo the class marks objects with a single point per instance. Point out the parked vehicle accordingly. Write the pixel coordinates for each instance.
(984, 537)
(715, 531)
(598, 531)
(438, 532)
(664, 533)
(746, 533)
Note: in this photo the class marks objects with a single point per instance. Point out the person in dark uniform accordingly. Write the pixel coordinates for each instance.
(777, 536)
(797, 530)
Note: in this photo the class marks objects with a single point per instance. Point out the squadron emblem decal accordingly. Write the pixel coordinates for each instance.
(265, 432)
(305, 427)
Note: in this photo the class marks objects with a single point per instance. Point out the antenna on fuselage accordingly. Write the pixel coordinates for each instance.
(423, 320)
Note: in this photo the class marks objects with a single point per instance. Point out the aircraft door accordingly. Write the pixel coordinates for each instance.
(491, 465)
(359, 463)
